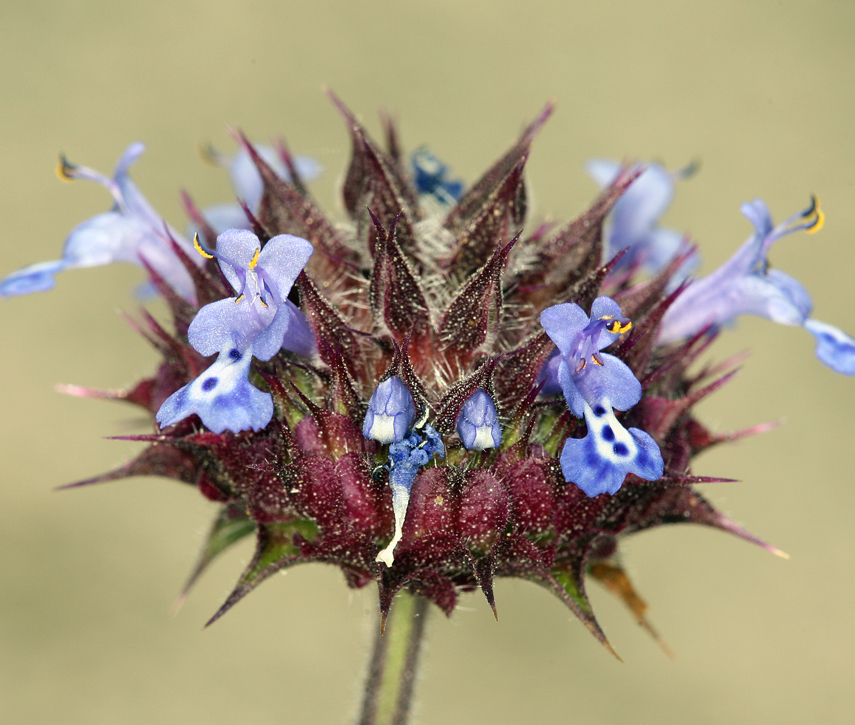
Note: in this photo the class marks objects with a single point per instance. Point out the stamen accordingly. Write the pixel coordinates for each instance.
(239, 298)
(820, 217)
(199, 248)
(261, 299)
(254, 261)
(597, 359)
(814, 203)
(64, 169)
(617, 327)
(581, 365)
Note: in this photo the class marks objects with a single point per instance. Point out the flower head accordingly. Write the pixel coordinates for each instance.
(746, 285)
(416, 320)
(130, 232)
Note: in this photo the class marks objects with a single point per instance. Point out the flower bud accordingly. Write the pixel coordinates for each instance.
(478, 423)
(391, 412)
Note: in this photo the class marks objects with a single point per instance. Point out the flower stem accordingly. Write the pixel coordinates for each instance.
(391, 677)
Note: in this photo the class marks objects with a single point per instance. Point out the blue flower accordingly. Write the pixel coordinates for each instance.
(248, 185)
(635, 219)
(259, 321)
(478, 423)
(391, 412)
(745, 284)
(593, 384)
(405, 458)
(131, 232)
(430, 176)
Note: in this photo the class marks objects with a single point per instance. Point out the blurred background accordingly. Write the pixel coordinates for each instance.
(761, 92)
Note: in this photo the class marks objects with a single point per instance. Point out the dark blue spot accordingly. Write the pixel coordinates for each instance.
(234, 354)
(599, 410)
(608, 433)
(620, 449)
(209, 384)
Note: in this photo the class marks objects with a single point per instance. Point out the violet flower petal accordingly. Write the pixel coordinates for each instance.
(746, 285)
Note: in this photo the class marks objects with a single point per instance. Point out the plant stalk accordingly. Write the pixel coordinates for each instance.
(392, 673)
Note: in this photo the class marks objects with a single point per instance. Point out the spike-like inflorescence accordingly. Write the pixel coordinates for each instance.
(421, 395)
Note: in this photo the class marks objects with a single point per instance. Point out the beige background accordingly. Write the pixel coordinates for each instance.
(761, 91)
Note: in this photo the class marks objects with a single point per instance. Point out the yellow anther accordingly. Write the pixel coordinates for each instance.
(617, 327)
(820, 217)
(64, 169)
(200, 248)
(254, 260)
(261, 299)
(597, 359)
(239, 298)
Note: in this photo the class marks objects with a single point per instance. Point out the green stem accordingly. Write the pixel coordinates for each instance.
(391, 677)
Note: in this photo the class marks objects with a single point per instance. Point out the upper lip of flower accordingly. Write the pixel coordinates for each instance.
(585, 374)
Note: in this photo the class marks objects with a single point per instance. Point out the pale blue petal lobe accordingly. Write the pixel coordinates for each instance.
(283, 258)
(214, 325)
(620, 386)
(34, 278)
(222, 397)
(563, 323)
(270, 340)
(834, 347)
(300, 337)
(599, 462)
